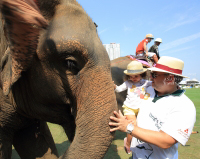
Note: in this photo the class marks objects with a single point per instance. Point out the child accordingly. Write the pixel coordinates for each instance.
(138, 90)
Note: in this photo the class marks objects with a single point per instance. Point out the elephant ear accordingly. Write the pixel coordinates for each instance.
(23, 21)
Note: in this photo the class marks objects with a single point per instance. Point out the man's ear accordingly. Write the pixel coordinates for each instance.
(23, 22)
(169, 78)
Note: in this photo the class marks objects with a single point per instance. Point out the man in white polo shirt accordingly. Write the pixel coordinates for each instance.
(165, 121)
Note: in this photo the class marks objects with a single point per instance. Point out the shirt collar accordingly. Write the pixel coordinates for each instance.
(176, 93)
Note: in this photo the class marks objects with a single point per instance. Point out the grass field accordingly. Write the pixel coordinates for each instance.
(116, 150)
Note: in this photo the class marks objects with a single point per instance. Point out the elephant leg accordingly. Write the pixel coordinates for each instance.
(5, 146)
(10, 121)
(35, 141)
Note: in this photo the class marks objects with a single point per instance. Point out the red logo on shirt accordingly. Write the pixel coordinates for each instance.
(186, 131)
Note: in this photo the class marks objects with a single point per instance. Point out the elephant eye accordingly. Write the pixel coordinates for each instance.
(71, 66)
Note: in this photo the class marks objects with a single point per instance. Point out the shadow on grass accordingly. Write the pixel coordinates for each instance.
(15, 154)
(120, 135)
(111, 154)
(62, 147)
(115, 151)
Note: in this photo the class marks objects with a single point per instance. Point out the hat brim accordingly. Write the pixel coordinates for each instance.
(137, 73)
(160, 70)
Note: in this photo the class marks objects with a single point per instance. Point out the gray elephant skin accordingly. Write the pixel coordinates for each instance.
(61, 76)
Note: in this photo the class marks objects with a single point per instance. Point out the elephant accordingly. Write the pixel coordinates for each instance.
(118, 66)
(54, 68)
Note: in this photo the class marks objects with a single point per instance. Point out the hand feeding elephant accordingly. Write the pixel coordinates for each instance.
(118, 66)
(54, 69)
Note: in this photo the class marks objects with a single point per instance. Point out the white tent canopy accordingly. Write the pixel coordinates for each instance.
(190, 82)
(183, 82)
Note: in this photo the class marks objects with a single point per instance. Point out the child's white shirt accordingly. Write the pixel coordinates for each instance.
(136, 92)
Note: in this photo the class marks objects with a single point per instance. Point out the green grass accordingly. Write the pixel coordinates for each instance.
(116, 150)
(191, 150)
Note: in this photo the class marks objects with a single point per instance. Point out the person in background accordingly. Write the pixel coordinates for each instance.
(153, 50)
(138, 90)
(165, 121)
(141, 49)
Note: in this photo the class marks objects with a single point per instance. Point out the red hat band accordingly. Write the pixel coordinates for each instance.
(169, 69)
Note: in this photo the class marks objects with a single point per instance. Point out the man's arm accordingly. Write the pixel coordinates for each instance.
(157, 53)
(160, 139)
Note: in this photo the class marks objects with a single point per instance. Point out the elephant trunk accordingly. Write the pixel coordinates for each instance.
(96, 103)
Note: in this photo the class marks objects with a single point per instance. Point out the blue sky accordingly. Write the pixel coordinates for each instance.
(128, 21)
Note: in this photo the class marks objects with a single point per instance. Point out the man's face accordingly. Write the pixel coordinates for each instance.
(158, 80)
(149, 40)
(157, 43)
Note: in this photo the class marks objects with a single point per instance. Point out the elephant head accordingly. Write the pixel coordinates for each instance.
(56, 69)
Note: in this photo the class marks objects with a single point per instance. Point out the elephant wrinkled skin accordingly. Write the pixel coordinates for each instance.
(54, 68)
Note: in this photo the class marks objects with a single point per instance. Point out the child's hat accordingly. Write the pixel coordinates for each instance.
(169, 65)
(134, 68)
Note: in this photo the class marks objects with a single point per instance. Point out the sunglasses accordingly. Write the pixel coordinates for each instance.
(154, 75)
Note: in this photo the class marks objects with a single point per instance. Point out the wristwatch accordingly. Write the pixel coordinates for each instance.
(129, 128)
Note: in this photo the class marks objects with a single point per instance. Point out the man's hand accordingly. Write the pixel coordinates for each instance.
(120, 122)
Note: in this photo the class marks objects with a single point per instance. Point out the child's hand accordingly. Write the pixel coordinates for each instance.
(115, 86)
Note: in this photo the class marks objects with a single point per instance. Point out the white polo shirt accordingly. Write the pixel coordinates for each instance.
(175, 114)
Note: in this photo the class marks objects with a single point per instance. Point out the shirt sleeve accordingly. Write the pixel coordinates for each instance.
(180, 122)
(122, 87)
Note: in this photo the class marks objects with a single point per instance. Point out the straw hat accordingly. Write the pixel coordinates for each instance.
(150, 36)
(134, 68)
(169, 65)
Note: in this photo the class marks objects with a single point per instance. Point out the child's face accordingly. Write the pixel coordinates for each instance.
(135, 78)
